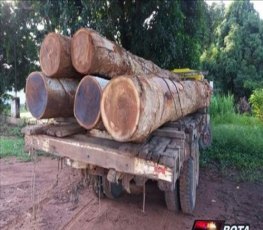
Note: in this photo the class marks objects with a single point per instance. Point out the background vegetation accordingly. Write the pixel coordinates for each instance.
(256, 100)
(227, 42)
(12, 142)
(237, 141)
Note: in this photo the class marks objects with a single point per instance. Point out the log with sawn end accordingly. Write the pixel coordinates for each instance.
(50, 98)
(87, 102)
(132, 107)
(93, 54)
(55, 57)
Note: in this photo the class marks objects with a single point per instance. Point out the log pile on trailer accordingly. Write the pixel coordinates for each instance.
(125, 118)
(140, 97)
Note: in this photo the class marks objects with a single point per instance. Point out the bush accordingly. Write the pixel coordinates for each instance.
(4, 106)
(222, 108)
(237, 141)
(256, 100)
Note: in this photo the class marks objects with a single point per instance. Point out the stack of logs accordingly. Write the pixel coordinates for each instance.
(106, 87)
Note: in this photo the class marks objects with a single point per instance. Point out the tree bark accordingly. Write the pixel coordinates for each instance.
(87, 102)
(55, 57)
(132, 107)
(93, 54)
(50, 98)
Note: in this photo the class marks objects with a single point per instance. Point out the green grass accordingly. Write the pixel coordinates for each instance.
(7, 130)
(12, 142)
(237, 143)
(13, 146)
(222, 106)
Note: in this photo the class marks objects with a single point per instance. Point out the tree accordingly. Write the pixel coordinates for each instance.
(235, 59)
(170, 33)
(18, 46)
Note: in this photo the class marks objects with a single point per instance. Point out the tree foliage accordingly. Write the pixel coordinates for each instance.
(170, 33)
(256, 100)
(235, 57)
(173, 34)
(18, 53)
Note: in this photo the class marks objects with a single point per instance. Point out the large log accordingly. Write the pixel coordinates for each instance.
(132, 107)
(87, 102)
(50, 98)
(93, 54)
(55, 57)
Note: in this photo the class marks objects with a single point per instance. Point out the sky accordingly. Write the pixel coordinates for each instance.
(258, 5)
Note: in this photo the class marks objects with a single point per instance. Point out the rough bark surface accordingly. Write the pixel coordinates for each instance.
(55, 57)
(132, 107)
(87, 102)
(50, 98)
(93, 54)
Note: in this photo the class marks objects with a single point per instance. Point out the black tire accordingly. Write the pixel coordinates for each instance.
(97, 186)
(187, 187)
(197, 156)
(112, 190)
(205, 139)
(172, 199)
(102, 187)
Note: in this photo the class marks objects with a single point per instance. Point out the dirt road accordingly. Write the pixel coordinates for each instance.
(63, 201)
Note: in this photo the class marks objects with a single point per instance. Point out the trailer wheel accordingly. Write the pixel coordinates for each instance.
(172, 199)
(102, 187)
(97, 186)
(112, 190)
(197, 156)
(205, 139)
(187, 186)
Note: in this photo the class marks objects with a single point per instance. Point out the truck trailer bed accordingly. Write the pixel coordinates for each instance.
(160, 157)
(154, 159)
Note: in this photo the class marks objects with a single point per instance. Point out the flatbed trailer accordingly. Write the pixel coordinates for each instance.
(169, 156)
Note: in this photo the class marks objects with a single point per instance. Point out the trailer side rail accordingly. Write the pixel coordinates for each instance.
(103, 156)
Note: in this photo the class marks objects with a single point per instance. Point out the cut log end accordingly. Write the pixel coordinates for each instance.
(36, 94)
(87, 102)
(50, 54)
(82, 51)
(120, 108)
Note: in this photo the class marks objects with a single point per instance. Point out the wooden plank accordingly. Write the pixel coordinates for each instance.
(129, 149)
(160, 148)
(169, 132)
(100, 134)
(35, 129)
(57, 130)
(147, 148)
(99, 155)
(67, 130)
(173, 124)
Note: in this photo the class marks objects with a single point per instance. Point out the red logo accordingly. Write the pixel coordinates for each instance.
(208, 225)
(217, 225)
